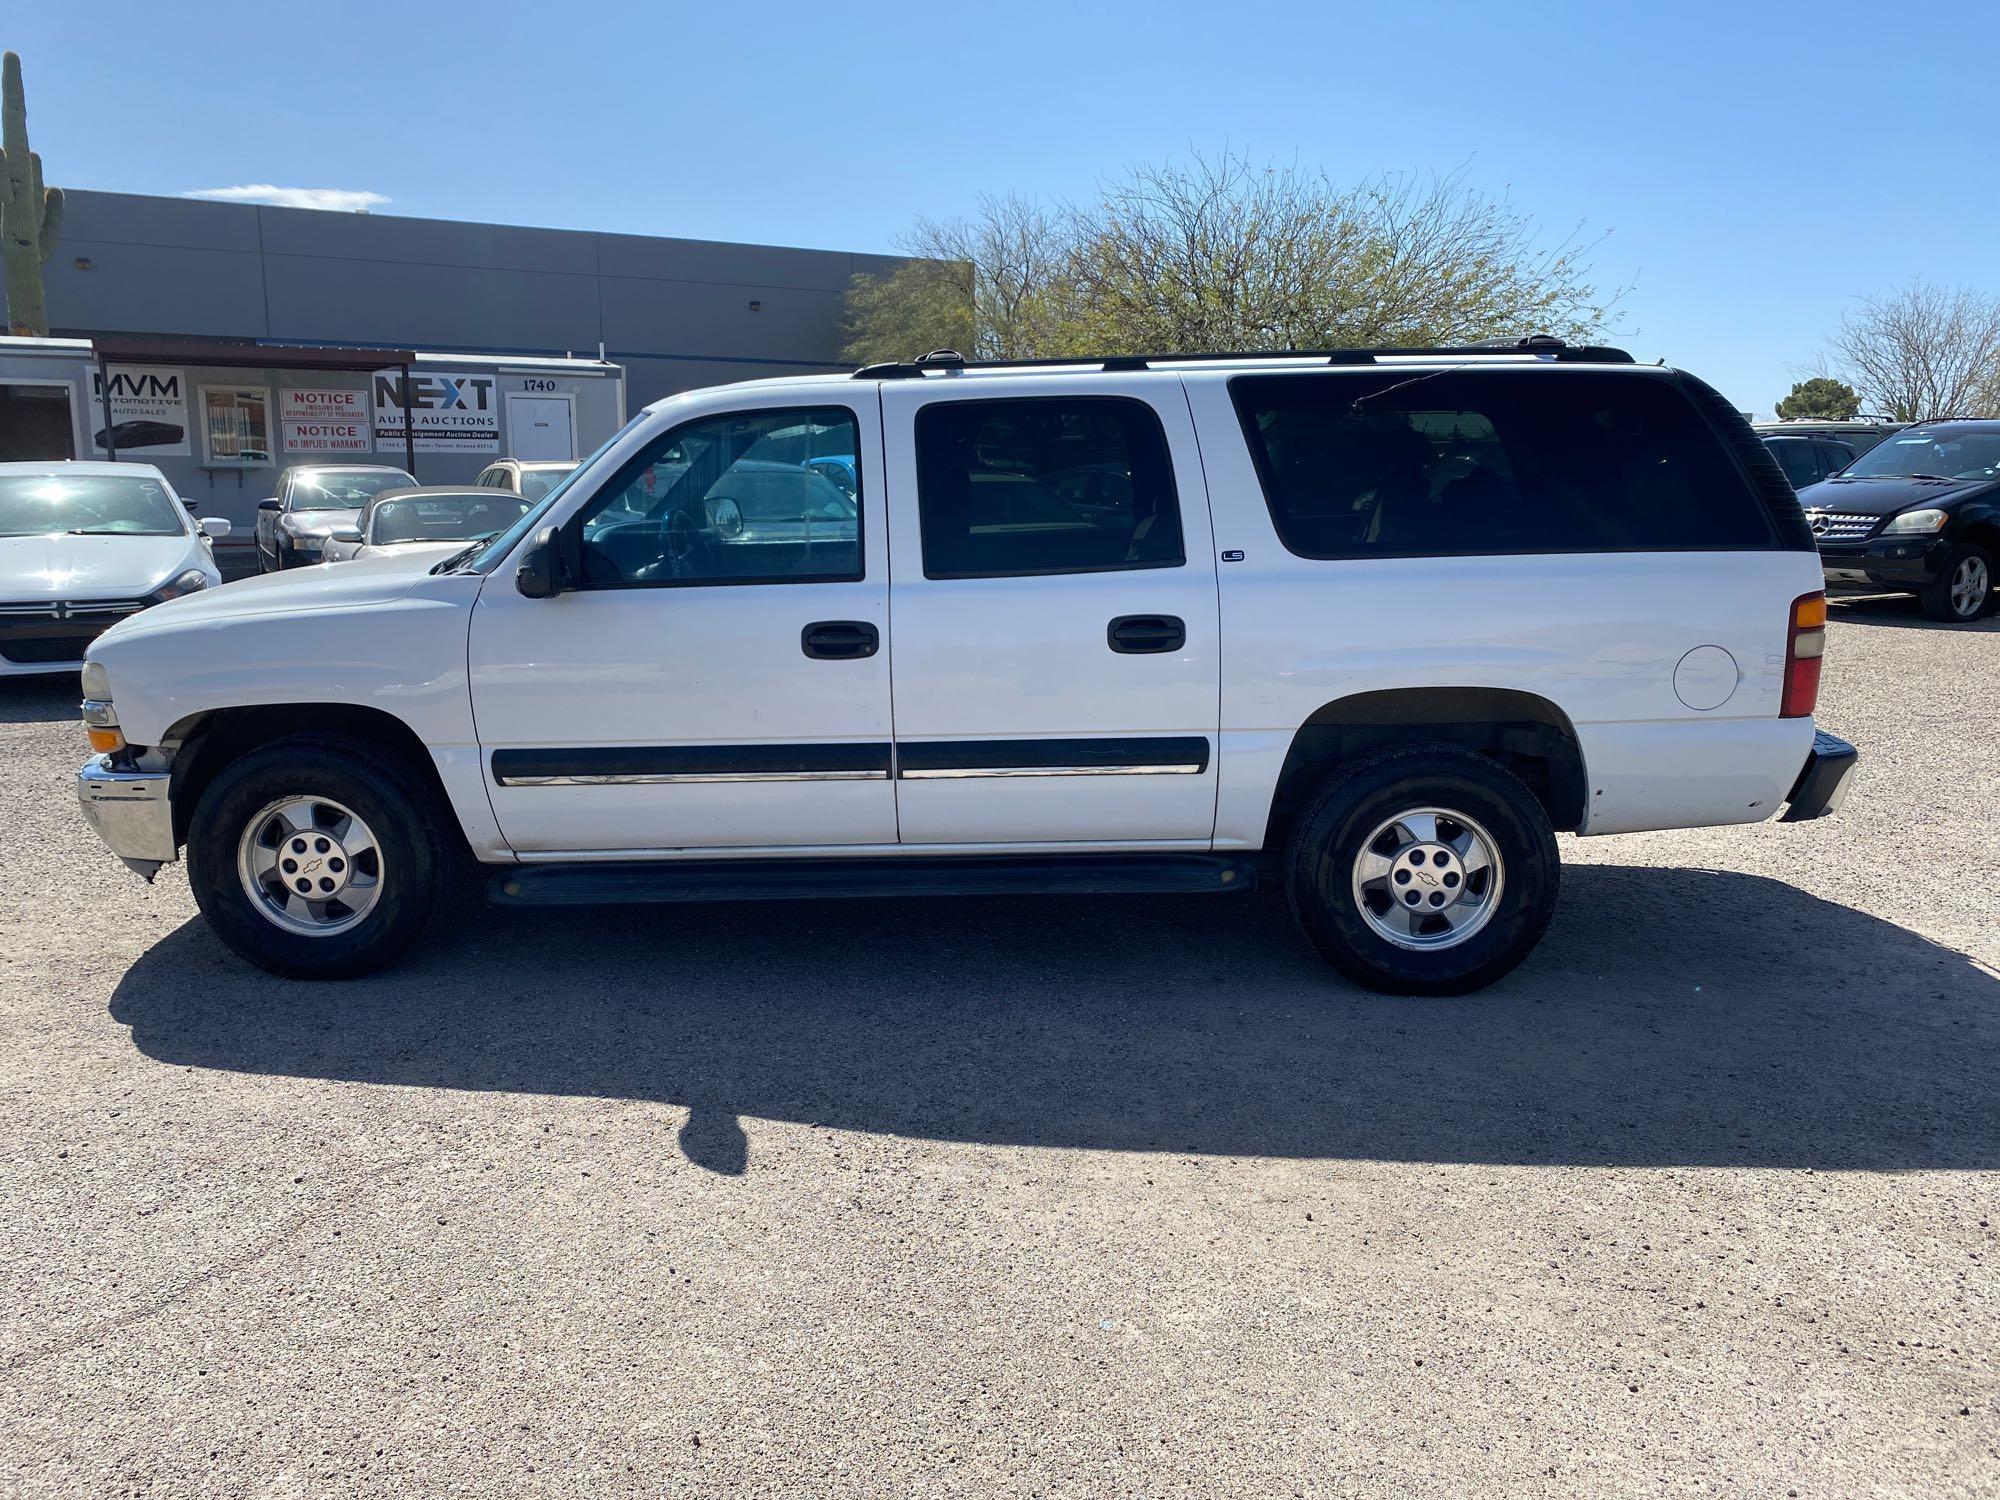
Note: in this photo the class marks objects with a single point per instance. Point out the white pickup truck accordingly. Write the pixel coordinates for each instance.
(1373, 624)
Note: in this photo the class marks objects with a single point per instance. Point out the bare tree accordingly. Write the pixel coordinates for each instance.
(1017, 250)
(1223, 254)
(1924, 352)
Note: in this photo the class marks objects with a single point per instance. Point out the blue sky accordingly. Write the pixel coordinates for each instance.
(1758, 167)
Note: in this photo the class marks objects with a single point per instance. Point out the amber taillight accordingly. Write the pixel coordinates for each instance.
(1805, 647)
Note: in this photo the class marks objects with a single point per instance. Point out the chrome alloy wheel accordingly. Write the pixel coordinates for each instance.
(1970, 582)
(1428, 879)
(310, 866)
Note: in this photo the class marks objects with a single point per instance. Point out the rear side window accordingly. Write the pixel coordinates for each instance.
(1045, 485)
(1479, 462)
(1800, 461)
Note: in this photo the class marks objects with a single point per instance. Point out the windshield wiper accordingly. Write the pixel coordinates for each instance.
(450, 564)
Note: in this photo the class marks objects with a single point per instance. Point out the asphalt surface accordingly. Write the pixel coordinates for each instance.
(1033, 1197)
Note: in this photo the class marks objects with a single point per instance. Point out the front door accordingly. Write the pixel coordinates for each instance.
(719, 679)
(1057, 657)
(540, 428)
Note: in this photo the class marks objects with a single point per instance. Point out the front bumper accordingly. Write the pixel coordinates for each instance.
(1899, 562)
(130, 812)
(1823, 783)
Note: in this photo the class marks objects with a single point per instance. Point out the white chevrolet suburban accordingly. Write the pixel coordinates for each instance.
(1372, 624)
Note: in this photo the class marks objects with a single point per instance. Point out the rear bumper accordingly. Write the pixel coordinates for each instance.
(130, 812)
(1822, 784)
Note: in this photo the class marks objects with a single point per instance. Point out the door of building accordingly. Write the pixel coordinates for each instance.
(35, 422)
(540, 428)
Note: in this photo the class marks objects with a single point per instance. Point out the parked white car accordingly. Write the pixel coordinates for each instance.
(434, 518)
(1373, 625)
(532, 478)
(83, 545)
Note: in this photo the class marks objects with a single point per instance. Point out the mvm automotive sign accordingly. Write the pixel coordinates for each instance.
(148, 411)
(450, 413)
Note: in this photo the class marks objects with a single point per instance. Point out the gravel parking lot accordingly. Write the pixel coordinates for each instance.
(1035, 1197)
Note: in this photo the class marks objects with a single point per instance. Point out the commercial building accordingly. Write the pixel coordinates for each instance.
(221, 417)
(238, 338)
(674, 313)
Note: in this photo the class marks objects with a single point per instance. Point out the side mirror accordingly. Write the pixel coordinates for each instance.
(345, 534)
(540, 575)
(274, 503)
(214, 526)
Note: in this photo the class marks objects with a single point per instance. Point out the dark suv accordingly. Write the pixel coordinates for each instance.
(1808, 460)
(1919, 513)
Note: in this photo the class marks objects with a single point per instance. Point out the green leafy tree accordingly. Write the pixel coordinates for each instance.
(30, 214)
(1223, 254)
(1821, 398)
(922, 305)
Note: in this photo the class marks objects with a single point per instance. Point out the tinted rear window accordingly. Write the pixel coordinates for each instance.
(1387, 464)
(1035, 484)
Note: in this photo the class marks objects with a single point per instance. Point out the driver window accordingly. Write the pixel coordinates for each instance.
(743, 498)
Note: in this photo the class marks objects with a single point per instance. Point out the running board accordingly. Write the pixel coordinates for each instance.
(609, 884)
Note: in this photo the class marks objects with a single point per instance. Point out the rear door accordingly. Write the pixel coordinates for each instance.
(1057, 658)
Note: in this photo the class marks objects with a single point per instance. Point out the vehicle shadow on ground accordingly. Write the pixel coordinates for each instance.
(1671, 1017)
(1896, 609)
(42, 700)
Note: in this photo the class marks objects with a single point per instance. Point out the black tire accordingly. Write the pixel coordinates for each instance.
(1936, 598)
(1355, 801)
(413, 856)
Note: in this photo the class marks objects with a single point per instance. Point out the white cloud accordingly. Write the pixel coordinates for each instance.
(338, 200)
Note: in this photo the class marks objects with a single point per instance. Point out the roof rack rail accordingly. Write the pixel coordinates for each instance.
(1538, 345)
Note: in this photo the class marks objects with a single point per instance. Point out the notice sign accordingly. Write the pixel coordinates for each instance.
(325, 420)
(451, 413)
(149, 415)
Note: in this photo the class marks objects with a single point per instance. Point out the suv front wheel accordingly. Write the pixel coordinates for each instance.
(1964, 588)
(316, 857)
(1423, 871)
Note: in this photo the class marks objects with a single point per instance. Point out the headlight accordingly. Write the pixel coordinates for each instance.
(192, 581)
(96, 682)
(1915, 520)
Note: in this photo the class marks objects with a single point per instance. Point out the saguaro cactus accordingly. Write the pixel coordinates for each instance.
(30, 215)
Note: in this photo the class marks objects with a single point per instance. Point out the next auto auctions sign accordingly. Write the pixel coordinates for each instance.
(325, 420)
(451, 413)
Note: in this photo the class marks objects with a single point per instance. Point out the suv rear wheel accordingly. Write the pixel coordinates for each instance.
(316, 858)
(1423, 871)
(1964, 588)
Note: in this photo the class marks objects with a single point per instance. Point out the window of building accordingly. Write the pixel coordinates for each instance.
(236, 426)
(730, 499)
(1460, 462)
(1045, 485)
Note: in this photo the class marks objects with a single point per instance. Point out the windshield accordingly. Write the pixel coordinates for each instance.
(500, 545)
(333, 489)
(1939, 452)
(536, 483)
(469, 517)
(87, 505)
